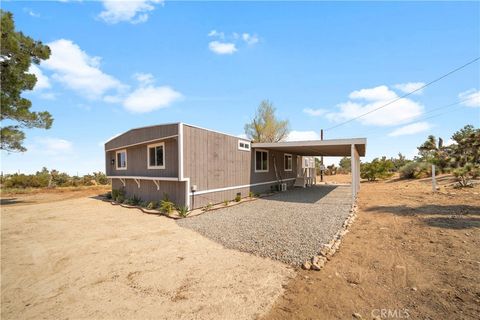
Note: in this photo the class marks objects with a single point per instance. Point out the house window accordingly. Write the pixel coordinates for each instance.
(261, 161)
(121, 163)
(156, 156)
(287, 162)
(243, 145)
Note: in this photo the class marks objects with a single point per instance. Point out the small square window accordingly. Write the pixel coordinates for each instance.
(243, 145)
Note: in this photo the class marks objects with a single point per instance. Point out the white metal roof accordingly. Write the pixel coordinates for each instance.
(332, 147)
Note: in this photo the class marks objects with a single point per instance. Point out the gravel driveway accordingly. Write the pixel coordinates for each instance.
(290, 226)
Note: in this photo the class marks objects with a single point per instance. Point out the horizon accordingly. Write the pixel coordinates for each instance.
(321, 64)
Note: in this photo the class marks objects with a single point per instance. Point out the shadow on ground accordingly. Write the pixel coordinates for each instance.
(451, 216)
(311, 194)
(10, 201)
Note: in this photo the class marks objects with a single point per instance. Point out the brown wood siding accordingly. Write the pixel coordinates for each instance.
(137, 161)
(142, 135)
(212, 160)
(270, 175)
(148, 190)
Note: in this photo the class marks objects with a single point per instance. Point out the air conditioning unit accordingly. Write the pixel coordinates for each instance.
(283, 187)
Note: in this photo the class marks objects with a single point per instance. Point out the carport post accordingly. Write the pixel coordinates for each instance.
(355, 169)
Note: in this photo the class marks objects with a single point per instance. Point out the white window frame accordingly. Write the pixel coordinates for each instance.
(154, 145)
(285, 162)
(245, 143)
(116, 159)
(268, 158)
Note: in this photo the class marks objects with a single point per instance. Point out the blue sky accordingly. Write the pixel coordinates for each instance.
(118, 65)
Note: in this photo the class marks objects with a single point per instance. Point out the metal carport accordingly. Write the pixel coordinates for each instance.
(354, 148)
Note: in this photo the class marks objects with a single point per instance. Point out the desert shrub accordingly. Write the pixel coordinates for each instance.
(465, 174)
(208, 207)
(120, 198)
(415, 170)
(377, 169)
(152, 205)
(250, 194)
(183, 211)
(238, 198)
(166, 206)
(226, 202)
(116, 193)
(143, 204)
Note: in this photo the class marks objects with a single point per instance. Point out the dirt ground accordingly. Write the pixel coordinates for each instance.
(410, 254)
(83, 258)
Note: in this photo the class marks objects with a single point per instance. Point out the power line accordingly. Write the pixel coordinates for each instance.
(407, 94)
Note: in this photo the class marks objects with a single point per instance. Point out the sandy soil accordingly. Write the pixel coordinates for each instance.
(410, 252)
(84, 258)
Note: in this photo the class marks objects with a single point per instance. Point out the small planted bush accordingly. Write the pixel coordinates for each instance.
(108, 195)
(166, 207)
(152, 205)
(250, 194)
(136, 200)
(183, 211)
(238, 198)
(120, 198)
(144, 204)
(226, 202)
(208, 207)
(117, 193)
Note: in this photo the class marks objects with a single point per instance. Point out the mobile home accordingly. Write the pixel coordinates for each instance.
(195, 166)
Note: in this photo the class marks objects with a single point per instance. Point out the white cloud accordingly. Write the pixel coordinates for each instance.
(133, 11)
(413, 128)
(144, 78)
(215, 33)
(150, 98)
(78, 71)
(249, 39)
(410, 86)
(42, 80)
(33, 14)
(470, 98)
(302, 135)
(366, 100)
(53, 146)
(242, 135)
(222, 47)
(449, 142)
(314, 112)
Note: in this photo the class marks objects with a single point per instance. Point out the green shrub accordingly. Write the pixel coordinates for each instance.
(116, 193)
(208, 207)
(143, 204)
(166, 206)
(377, 169)
(465, 174)
(250, 194)
(120, 199)
(183, 211)
(152, 205)
(238, 198)
(108, 195)
(226, 202)
(136, 200)
(415, 170)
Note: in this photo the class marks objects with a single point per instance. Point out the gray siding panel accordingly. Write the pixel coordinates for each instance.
(140, 135)
(137, 161)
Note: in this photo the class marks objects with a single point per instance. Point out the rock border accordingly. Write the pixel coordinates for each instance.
(328, 250)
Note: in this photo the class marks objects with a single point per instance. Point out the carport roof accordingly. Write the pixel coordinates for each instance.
(333, 147)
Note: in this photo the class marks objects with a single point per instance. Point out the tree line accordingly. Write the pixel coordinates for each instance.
(51, 178)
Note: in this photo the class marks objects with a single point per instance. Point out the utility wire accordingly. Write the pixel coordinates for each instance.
(407, 94)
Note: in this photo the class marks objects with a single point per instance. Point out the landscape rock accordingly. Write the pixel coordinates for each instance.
(306, 265)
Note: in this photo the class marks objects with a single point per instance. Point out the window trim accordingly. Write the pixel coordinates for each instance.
(268, 158)
(154, 145)
(116, 159)
(246, 143)
(285, 155)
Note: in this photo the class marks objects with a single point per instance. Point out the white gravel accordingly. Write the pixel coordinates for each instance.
(289, 226)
